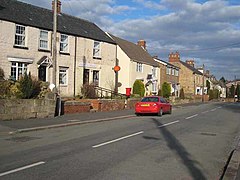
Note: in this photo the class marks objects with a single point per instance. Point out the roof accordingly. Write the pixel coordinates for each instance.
(191, 68)
(166, 63)
(29, 15)
(135, 52)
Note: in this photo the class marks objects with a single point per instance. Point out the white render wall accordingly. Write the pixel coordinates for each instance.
(84, 49)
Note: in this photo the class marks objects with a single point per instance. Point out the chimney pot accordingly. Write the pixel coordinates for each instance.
(142, 43)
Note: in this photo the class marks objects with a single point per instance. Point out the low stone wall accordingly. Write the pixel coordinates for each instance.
(13, 109)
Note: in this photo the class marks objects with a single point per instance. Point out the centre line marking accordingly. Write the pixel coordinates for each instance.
(191, 116)
(167, 124)
(21, 168)
(205, 112)
(118, 139)
(213, 109)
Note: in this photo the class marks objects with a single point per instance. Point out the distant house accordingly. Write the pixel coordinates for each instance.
(190, 79)
(136, 63)
(170, 74)
(85, 53)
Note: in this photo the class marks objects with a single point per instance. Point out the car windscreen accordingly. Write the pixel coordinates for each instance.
(150, 99)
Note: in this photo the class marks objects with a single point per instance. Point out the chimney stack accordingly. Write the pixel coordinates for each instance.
(174, 57)
(190, 62)
(58, 6)
(142, 43)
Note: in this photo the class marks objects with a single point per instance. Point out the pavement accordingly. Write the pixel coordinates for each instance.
(231, 169)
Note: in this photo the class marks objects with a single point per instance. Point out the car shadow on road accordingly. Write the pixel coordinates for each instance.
(179, 149)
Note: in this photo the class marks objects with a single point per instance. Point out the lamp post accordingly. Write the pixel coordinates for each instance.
(203, 85)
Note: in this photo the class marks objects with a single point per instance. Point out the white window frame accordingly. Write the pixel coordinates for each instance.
(176, 72)
(168, 70)
(97, 49)
(139, 67)
(64, 43)
(173, 71)
(20, 35)
(63, 76)
(43, 39)
(154, 87)
(18, 69)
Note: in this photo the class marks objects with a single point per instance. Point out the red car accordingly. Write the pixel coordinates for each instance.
(153, 104)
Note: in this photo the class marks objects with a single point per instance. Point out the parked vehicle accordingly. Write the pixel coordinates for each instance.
(153, 104)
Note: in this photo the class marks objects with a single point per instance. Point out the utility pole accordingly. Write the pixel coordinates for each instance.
(54, 63)
(203, 85)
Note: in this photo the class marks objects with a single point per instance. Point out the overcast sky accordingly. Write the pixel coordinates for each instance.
(206, 31)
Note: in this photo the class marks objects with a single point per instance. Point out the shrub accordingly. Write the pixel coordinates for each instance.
(182, 95)
(2, 76)
(138, 88)
(166, 90)
(88, 91)
(213, 94)
(159, 92)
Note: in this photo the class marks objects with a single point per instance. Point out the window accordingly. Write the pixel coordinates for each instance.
(18, 69)
(20, 35)
(139, 67)
(168, 70)
(96, 49)
(64, 43)
(43, 40)
(176, 72)
(63, 75)
(95, 78)
(173, 71)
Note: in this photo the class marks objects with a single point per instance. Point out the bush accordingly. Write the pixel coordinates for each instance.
(138, 88)
(166, 90)
(2, 76)
(182, 95)
(88, 91)
(213, 94)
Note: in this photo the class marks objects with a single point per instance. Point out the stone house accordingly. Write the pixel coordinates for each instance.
(170, 74)
(190, 79)
(85, 53)
(136, 63)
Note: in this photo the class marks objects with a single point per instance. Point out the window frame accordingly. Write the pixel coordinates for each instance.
(20, 68)
(62, 48)
(20, 36)
(139, 67)
(96, 73)
(97, 49)
(43, 39)
(63, 71)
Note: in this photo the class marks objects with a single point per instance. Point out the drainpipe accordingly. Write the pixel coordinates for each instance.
(74, 68)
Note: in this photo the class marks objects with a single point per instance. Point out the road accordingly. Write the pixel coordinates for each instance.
(192, 143)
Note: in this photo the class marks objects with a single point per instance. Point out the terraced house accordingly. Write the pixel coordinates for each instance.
(136, 63)
(85, 53)
(190, 78)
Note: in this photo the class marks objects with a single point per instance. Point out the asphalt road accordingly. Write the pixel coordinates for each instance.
(192, 143)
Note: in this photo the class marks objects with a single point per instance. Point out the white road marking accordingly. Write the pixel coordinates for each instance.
(22, 168)
(205, 112)
(214, 109)
(219, 107)
(104, 119)
(191, 116)
(118, 139)
(167, 124)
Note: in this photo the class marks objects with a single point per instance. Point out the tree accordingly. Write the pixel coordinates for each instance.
(222, 79)
(166, 90)
(182, 95)
(138, 88)
(231, 91)
(208, 86)
(238, 91)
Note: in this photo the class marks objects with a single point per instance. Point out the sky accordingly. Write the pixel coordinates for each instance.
(206, 31)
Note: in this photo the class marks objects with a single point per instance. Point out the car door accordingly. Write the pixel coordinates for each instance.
(163, 104)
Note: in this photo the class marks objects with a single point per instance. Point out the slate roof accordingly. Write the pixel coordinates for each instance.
(135, 52)
(191, 68)
(29, 15)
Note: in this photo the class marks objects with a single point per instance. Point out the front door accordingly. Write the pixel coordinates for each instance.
(42, 72)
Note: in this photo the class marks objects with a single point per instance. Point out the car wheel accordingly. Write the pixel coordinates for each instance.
(160, 113)
(170, 111)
